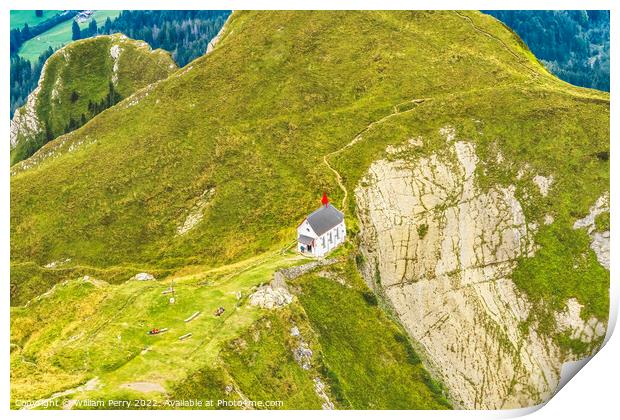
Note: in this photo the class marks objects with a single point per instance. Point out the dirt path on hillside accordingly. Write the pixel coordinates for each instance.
(359, 136)
(506, 47)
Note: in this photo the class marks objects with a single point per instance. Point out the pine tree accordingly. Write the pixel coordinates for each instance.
(25, 34)
(48, 132)
(75, 29)
(107, 26)
(92, 27)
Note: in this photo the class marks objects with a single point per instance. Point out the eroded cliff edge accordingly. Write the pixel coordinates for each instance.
(441, 250)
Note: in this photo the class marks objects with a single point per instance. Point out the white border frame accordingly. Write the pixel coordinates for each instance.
(592, 393)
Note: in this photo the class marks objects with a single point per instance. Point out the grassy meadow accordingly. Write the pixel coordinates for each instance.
(87, 328)
(19, 18)
(259, 141)
(59, 35)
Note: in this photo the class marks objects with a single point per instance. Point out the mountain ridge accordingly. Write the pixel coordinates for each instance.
(213, 57)
(80, 80)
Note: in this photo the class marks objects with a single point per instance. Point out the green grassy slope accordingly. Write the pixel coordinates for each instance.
(86, 328)
(72, 333)
(80, 75)
(253, 121)
(274, 94)
(364, 352)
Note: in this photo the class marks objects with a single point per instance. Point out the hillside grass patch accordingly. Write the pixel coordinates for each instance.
(370, 355)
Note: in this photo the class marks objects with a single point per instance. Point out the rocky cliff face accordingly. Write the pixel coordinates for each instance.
(441, 250)
(25, 122)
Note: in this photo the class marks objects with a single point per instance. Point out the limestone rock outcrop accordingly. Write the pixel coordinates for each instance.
(268, 297)
(600, 240)
(143, 277)
(441, 251)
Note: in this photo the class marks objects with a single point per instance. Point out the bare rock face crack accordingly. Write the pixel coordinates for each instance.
(570, 321)
(442, 251)
(25, 121)
(600, 240)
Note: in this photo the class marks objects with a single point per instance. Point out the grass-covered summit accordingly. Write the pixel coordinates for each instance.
(79, 81)
(252, 120)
